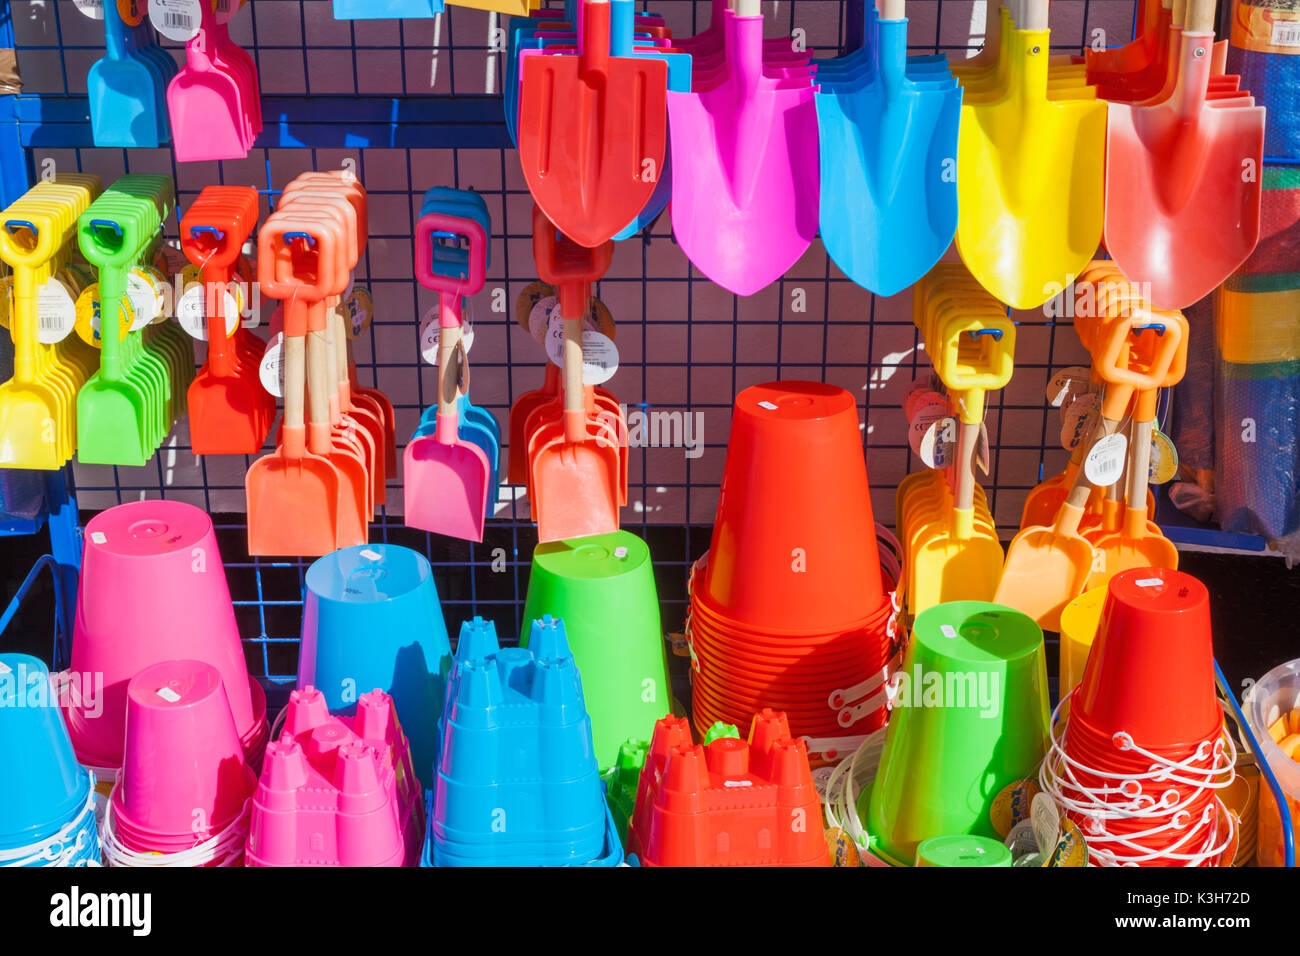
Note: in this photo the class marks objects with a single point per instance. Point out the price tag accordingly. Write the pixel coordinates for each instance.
(271, 368)
(1071, 849)
(1164, 459)
(87, 324)
(1080, 421)
(1011, 806)
(359, 312)
(920, 424)
(147, 290)
(431, 336)
(1105, 461)
(192, 311)
(133, 12)
(90, 8)
(1067, 384)
(225, 10)
(56, 310)
(177, 20)
(939, 443)
(982, 449)
(1046, 819)
(532, 294)
(599, 353)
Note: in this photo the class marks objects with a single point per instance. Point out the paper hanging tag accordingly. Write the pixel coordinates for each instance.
(358, 311)
(1105, 461)
(599, 353)
(527, 300)
(177, 20)
(56, 310)
(90, 8)
(921, 422)
(192, 311)
(1067, 384)
(147, 289)
(938, 446)
(1080, 421)
(271, 369)
(982, 449)
(1164, 459)
(1046, 820)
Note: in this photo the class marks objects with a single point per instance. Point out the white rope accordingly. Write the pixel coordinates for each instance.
(225, 848)
(1208, 770)
(72, 845)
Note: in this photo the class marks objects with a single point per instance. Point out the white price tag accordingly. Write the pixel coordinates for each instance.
(169, 695)
(271, 368)
(920, 424)
(177, 20)
(599, 353)
(147, 297)
(431, 336)
(1105, 461)
(1285, 32)
(56, 311)
(939, 442)
(192, 312)
(1046, 820)
(91, 8)
(1149, 582)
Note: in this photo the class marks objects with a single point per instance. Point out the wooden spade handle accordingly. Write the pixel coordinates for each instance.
(575, 405)
(1200, 16)
(893, 9)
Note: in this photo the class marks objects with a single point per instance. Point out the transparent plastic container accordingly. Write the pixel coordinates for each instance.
(1276, 694)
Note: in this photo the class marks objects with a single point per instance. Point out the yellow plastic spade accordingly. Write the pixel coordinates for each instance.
(1030, 177)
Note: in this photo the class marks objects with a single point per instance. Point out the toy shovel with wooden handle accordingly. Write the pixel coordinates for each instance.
(445, 483)
(1140, 543)
(574, 466)
(295, 497)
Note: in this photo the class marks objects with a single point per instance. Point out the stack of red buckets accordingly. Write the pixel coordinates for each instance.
(789, 609)
(1146, 703)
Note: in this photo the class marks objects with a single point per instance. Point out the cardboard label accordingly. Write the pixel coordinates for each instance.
(1105, 462)
(177, 20)
(271, 369)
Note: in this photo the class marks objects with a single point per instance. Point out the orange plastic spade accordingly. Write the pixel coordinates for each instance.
(1181, 215)
(592, 132)
(297, 500)
(575, 468)
(230, 412)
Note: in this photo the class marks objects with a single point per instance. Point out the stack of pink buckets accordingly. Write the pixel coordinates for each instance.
(157, 663)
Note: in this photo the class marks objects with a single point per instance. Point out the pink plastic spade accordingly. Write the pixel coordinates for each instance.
(746, 176)
(205, 103)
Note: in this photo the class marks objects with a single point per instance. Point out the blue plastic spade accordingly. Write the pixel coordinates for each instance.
(888, 208)
(124, 92)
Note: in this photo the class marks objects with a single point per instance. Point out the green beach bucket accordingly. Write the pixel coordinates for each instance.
(970, 716)
(603, 588)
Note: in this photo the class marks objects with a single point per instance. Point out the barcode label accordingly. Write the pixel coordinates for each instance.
(1286, 33)
(177, 20)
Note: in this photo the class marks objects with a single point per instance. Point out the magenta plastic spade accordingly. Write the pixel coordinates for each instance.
(746, 175)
